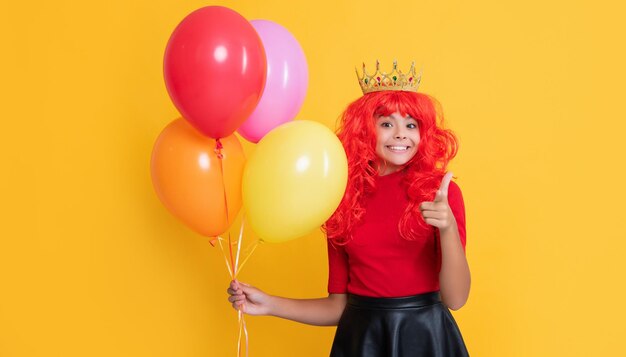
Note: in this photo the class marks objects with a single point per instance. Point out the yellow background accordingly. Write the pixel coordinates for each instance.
(91, 263)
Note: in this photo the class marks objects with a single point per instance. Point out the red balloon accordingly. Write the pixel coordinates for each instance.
(215, 69)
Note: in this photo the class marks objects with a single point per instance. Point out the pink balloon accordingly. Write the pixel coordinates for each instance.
(286, 84)
(214, 69)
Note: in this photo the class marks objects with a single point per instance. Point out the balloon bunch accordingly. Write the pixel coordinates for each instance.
(226, 74)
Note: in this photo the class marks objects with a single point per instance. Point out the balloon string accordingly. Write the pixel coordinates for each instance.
(234, 263)
(219, 241)
(240, 316)
(242, 328)
(239, 245)
(239, 334)
(242, 320)
(220, 157)
(252, 249)
(249, 250)
(245, 332)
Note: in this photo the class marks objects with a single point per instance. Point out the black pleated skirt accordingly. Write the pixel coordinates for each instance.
(413, 326)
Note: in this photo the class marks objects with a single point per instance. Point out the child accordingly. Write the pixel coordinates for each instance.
(396, 243)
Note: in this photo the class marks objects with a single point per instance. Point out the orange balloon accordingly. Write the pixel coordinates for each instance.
(188, 179)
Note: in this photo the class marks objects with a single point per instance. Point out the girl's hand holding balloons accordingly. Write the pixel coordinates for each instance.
(248, 299)
(438, 213)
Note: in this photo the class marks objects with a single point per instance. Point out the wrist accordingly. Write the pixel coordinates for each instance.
(450, 228)
(271, 305)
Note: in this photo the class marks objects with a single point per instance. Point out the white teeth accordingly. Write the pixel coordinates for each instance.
(399, 148)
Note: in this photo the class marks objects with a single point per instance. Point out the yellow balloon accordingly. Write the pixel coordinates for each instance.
(294, 181)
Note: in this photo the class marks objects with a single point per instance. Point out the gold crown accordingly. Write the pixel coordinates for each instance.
(394, 80)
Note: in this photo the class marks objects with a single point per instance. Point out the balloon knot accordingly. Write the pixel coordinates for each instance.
(218, 144)
(218, 149)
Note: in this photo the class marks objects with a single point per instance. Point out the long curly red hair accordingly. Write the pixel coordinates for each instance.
(423, 174)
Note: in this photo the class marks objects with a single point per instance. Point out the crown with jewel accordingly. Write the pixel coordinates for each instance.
(394, 80)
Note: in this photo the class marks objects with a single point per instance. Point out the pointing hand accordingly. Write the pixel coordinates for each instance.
(438, 213)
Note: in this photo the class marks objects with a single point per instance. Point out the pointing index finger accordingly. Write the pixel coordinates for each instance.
(445, 183)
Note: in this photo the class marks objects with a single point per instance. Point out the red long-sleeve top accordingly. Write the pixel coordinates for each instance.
(378, 262)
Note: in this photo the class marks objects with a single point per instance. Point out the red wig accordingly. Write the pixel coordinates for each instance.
(423, 174)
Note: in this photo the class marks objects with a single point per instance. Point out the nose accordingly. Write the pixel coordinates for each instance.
(400, 134)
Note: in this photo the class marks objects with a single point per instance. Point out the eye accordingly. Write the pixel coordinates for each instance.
(411, 126)
(386, 124)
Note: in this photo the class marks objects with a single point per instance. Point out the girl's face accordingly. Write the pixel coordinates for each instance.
(397, 138)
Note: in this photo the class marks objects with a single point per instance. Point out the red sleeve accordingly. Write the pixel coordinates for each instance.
(337, 269)
(455, 200)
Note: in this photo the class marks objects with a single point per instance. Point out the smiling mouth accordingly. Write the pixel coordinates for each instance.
(398, 148)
